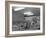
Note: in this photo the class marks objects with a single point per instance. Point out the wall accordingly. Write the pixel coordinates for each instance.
(2, 19)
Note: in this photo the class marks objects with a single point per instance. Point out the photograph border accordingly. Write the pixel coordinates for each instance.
(23, 32)
(7, 18)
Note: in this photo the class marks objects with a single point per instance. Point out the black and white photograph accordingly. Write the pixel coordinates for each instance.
(25, 18)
